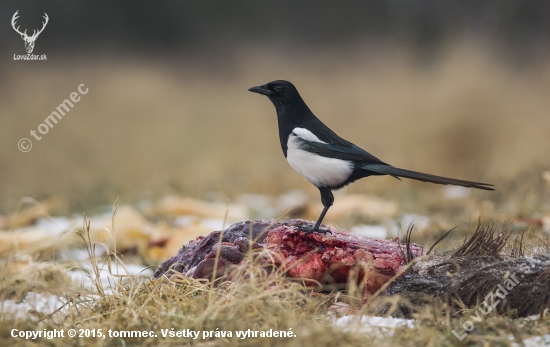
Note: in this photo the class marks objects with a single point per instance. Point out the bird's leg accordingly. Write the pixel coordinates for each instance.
(327, 199)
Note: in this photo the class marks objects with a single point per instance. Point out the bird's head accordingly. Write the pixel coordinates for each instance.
(279, 92)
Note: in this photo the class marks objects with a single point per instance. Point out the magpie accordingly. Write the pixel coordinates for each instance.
(325, 159)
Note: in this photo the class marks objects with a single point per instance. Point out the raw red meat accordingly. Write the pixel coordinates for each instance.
(328, 258)
(316, 258)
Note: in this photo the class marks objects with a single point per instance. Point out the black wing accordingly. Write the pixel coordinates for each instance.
(350, 152)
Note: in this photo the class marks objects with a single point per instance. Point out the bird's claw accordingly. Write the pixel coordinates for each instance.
(310, 230)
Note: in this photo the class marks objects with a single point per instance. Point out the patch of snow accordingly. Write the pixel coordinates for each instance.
(420, 222)
(55, 225)
(85, 276)
(367, 324)
(48, 303)
(214, 223)
(80, 254)
(40, 302)
(534, 341)
(456, 192)
(373, 231)
(185, 221)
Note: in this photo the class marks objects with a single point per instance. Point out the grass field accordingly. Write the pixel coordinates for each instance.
(152, 127)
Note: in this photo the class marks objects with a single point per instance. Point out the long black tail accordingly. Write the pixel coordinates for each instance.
(396, 172)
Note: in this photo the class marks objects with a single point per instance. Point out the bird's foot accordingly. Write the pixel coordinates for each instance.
(310, 230)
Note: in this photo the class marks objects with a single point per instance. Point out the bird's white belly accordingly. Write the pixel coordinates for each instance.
(321, 171)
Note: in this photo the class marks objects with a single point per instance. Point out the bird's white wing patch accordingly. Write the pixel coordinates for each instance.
(306, 135)
(319, 170)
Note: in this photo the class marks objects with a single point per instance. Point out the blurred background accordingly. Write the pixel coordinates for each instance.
(169, 134)
(451, 88)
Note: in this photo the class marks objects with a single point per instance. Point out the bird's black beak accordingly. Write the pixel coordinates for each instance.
(261, 90)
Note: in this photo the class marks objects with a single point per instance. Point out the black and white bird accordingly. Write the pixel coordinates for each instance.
(325, 159)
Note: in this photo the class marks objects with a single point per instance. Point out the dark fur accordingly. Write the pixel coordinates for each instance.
(465, 278)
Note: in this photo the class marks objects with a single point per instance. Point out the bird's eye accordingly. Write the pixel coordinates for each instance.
(278, 89)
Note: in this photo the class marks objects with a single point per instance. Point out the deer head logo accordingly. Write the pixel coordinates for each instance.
(29, 40)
